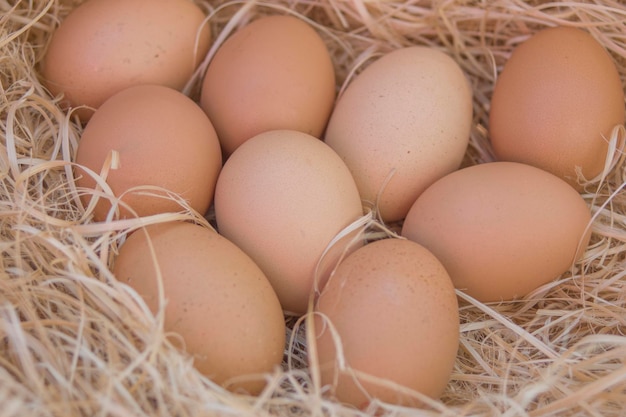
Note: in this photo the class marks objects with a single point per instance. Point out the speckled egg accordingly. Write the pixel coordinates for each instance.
(151, 145)
(555, 103)
(501, 229)
(214, 296)
(104, 46)
(388, 315)
(283, 196)
(274, 73)
(401, 124)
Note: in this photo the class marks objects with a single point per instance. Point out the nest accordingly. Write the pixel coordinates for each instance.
(76, 342)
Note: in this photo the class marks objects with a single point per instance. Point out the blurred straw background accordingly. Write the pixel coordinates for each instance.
(74, 342)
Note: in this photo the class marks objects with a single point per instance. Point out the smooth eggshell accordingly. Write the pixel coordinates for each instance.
(282, 196)
(104, 46)
(409, 114)
(501, 229)
(395, 311)
(274, 73)
(217, 300)
(555, 104)
(163, 139)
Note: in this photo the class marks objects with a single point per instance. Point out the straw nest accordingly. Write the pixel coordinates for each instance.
(76, 342)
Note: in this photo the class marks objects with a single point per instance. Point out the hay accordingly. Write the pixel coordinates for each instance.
(75, 342)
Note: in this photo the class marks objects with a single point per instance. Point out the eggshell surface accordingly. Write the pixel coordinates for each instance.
(104, 46)
(401, 124)
(395, 314)
(555, 104)
(282, 197)
(501, 229)
(162, 139)
(274, 73)
(215, 297)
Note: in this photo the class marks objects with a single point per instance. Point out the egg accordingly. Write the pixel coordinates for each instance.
(104, 46)
(160, 138)
(389, 314)
(214, 297)
(501, 229)
(555, 103)
(282, 197)
(401, 124)
(274, 73)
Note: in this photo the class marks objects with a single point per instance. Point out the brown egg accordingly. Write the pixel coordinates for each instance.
(162, 139)
(395, 314)
(274, 73)
(501, 229)
(282, 197)
(555, 103)
(217, 300)
(401, 124)
(104, 46)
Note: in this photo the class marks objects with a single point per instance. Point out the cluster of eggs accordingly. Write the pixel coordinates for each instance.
(290, 169)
